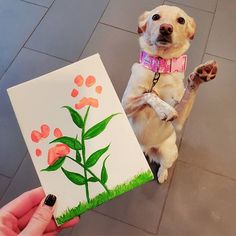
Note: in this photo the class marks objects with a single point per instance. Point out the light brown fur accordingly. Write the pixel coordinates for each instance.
(149, 113)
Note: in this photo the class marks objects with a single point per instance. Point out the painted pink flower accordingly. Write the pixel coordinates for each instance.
(54, 153)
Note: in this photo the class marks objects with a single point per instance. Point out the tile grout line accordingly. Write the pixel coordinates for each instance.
(181, 139)
(211, 54)
(123, 222)
(26, 41)
(17, 167)
(94, 29)
(164, 205)
(38, 24)
(171, 180)
(38, 51)
(33, 3)
(3, 175)
(116, 27)
(216, 5)
(207, 170)
(11, 178)
(209, 32)
(185, 5)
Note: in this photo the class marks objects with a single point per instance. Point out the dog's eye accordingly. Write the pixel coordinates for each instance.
(156, 17)
(181, 20)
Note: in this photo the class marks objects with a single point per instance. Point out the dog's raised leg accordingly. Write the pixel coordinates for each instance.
(202, 73)
(163, 109)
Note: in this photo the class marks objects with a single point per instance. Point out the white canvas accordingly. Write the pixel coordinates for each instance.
(40, 109)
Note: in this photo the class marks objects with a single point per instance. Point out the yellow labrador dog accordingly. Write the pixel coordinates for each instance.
(155, 100)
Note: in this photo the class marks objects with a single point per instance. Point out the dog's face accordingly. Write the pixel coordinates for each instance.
(166, 27)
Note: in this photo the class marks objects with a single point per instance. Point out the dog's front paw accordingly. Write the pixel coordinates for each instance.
(168, 114)
(165, 111)
(203, 73)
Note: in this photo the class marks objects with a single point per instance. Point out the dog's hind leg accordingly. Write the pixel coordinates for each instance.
(168, 154)
(202, 73)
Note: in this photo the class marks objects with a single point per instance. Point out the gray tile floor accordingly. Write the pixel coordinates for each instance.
(39, 36)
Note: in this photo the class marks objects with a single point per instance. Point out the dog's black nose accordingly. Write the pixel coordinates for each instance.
(166, 29)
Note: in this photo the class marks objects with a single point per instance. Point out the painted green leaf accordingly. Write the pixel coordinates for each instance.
(93, 179)
(98, 128)
(104, 175)
(92, 160)
(75, 117)
(70, 142)
(74, 177)
(78, 156)
(57, 164)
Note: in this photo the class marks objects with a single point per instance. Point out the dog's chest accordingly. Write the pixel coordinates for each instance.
(169, 87)
(165, 81)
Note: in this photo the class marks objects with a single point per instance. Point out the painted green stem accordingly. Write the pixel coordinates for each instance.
(90, 172)
(83, 155)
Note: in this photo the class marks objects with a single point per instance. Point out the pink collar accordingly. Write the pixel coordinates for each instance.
(160, 65)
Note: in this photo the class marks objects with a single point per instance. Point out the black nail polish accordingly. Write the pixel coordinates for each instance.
(50, 200)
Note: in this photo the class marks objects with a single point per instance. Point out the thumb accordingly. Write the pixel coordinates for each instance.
(41, 217)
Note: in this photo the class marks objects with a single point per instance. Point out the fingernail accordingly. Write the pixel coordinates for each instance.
(50, 200)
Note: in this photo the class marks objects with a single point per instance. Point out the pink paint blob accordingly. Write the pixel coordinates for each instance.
(35, 136)
(45, 130)
(79, 80)
(38, 152)
(90, 81)
(57, 133)
(74, 93)
(98, 89)
(82, 103)
(93, 102)
(87, 102)
(54, 153)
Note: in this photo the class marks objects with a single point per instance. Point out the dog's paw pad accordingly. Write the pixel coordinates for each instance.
(203, 73)
(207, 71)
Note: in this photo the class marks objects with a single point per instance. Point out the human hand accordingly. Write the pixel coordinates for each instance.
(31, 214)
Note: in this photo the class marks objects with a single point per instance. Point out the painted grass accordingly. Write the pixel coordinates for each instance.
(105, 196)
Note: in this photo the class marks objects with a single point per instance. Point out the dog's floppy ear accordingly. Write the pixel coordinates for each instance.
(191, 27)
(142, 22)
